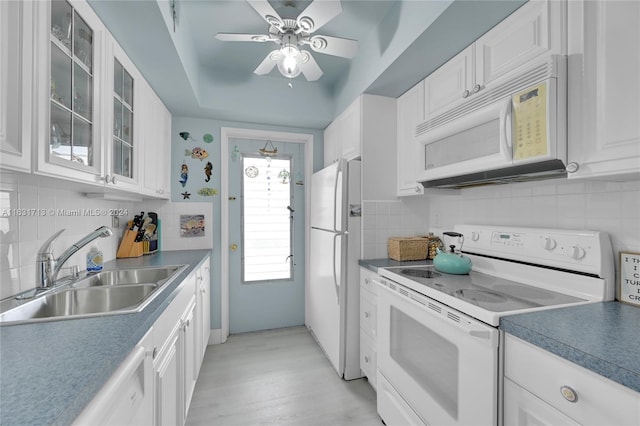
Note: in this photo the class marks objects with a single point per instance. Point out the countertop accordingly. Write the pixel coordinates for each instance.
(601, 337)
(50, 371)
(374, 264)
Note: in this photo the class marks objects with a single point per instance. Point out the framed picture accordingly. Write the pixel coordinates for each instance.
(629, 290)
(191, 225)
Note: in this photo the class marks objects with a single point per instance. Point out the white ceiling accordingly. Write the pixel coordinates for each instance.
(196, 75)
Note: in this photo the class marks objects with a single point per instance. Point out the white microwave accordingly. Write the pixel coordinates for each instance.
(515, 131)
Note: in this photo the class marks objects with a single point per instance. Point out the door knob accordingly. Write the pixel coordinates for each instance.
(234, 247)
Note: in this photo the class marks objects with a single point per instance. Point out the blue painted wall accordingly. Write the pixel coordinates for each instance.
(197, 128)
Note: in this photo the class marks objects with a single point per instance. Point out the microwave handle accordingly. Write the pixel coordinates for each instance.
(506, 134)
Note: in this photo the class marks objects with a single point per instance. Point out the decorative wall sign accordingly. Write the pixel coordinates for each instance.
(192, 225)
(207, 171)
(207, 192)
(629, 289)
(184, 174)
(196, 152)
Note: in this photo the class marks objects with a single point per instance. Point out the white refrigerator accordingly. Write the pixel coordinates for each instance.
(333, 298)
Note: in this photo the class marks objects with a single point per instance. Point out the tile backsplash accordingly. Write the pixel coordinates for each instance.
(31, 210)
(612, 207)
(604, 206)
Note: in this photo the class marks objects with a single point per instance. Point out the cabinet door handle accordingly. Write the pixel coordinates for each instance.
(154, 353)
(572, 167)
(366, 359)
(418, 189)
(366, 314)
(476, 88)
(569, 394)
(466, 94)
(366, 281)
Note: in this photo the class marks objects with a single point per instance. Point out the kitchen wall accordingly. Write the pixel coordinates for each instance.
(203, 191)
(613, 207)
(33, 208)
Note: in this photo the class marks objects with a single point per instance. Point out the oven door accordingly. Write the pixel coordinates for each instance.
(441, 363)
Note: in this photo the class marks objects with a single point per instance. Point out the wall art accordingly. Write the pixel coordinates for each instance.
(184, 174)
(207, 171)
(196, 152)
(207, 192)
(192, 225)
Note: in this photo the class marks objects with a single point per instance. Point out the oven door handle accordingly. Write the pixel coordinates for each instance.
(480, 334)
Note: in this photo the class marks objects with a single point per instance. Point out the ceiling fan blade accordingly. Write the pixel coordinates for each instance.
(337, 46)
(267, 63)
(318, 13)
(244, 37)
(309, 67)
(268, 13)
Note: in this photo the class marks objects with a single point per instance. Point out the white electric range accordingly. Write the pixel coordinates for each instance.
(438, 341)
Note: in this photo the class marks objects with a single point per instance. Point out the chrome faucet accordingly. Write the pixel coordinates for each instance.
(47, 267)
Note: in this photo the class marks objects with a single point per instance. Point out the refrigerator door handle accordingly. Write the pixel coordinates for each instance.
(336, 283)
(336, 203)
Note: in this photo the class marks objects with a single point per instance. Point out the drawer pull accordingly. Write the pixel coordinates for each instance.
(366, 281)
(366, 314)
(366, 359)
(569, 394)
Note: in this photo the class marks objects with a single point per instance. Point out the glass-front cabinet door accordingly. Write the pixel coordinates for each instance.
(69, 121)
(122, 130)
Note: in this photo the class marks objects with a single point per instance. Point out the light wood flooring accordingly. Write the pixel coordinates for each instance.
(277, 377)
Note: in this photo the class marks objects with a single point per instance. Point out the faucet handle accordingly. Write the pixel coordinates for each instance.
(47, 247)
(74, 272)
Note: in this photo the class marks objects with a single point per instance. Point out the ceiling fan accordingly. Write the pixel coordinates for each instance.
(292, 35)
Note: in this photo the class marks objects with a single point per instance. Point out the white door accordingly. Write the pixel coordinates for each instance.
(266, 236)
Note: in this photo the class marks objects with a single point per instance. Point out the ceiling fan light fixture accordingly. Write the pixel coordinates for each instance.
(291, 58)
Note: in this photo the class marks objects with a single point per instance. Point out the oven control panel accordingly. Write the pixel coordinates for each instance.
(585, 251)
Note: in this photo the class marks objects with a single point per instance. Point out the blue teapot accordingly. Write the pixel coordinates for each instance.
(452, 262)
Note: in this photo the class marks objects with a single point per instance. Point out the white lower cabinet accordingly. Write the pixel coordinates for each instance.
(541, 388)
(127, 398)
(155, 383)
(368, 324)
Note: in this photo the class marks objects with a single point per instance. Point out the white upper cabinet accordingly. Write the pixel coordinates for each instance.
(155, 130)
(604, 90)
(450, 84)
(331, 143)
(350, 131)
(123, 96)
(16, 73)
(535, 30)
(410, 112)
(343, 137)
(68, 109)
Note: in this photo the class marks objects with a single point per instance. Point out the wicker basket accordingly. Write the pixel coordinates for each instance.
(407, 248)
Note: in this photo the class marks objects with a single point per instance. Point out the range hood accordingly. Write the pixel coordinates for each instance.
(551, 169)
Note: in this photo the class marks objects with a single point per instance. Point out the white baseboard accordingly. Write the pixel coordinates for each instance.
(215, 337)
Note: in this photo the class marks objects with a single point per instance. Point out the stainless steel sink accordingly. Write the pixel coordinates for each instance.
(110, 292)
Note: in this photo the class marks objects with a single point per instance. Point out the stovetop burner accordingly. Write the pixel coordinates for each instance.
(420, 273)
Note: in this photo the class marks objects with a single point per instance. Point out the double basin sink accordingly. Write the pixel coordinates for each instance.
(118, 291)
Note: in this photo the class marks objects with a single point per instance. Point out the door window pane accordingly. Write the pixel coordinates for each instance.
(266, 220)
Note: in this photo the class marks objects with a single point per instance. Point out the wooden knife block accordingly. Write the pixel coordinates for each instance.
(128, 246)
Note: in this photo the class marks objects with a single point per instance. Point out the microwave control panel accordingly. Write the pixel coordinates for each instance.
(530, 123)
